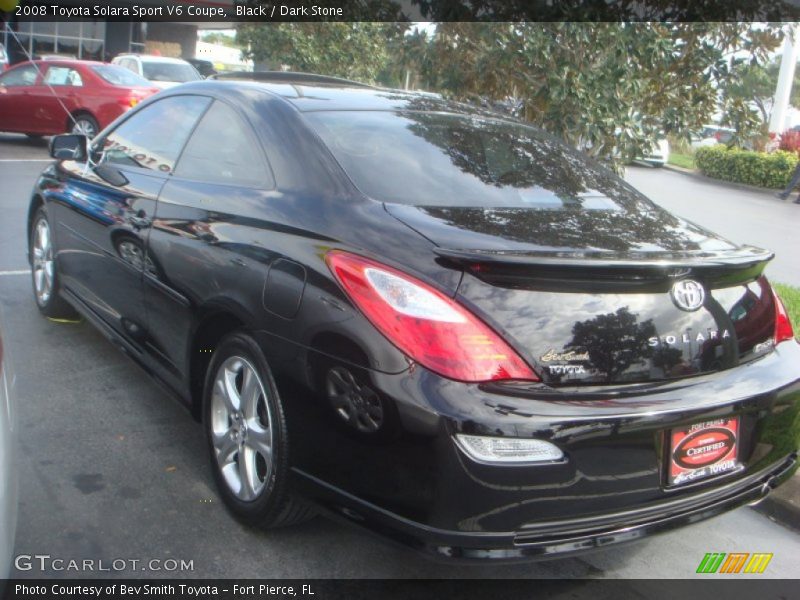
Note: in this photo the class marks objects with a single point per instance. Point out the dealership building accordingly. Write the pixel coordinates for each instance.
(101, 39)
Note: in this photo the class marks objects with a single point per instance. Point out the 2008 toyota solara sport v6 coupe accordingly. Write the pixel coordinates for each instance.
(434, 322)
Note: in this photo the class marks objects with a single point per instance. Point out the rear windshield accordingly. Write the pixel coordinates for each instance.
(436, 159)
(164, 71)
(119, 76)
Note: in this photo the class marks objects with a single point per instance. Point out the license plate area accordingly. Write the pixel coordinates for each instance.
(703, 450)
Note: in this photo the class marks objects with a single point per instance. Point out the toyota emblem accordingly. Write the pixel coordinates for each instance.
(688, 294)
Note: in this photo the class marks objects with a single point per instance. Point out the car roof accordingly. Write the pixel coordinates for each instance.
(70, 62)
(151, 58)
(307, 97)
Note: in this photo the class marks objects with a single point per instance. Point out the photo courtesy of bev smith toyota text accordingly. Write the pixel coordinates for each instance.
(397, 290)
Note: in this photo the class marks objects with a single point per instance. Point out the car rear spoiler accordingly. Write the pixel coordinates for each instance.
(593, 269)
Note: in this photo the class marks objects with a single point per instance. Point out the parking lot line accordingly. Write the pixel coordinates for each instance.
(22, 272)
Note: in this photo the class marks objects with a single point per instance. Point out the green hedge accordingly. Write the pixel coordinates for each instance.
(772, 170)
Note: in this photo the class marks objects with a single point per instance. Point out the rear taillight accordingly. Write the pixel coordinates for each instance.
(129, 101)
(783, 326)
(429, 327)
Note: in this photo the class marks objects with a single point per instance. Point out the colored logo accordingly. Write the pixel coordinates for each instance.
(734, 562)
(8, 5)
(688, 295)
(704, 450)
(704, 447)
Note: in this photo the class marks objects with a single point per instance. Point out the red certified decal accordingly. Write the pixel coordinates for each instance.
(703, 450)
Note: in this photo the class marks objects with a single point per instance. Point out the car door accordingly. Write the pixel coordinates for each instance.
(202, 241)
(16, 112)
(103, 211)
(56, 97)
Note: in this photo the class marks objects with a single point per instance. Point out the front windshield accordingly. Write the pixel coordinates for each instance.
(437, 159)
(166, 71)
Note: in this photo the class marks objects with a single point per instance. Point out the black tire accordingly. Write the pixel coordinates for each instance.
(51, 305)
(84, 123)
(273, 505)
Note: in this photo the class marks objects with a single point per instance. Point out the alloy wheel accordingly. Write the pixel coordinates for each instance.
(42, 261)
(84, 127)
(241, 428)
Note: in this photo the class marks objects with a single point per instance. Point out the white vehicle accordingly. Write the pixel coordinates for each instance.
(162, 71)
(659, 155)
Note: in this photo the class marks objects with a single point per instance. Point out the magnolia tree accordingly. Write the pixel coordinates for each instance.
(610, 89)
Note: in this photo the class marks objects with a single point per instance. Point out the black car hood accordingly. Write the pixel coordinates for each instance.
(648, 230)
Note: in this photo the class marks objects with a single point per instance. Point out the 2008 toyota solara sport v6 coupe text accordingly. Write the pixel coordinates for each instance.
(439, 324)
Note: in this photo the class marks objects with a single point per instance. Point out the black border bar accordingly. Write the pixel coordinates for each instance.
(233, 11)
(701, 588)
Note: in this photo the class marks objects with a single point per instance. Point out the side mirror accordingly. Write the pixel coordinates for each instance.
(69, 147)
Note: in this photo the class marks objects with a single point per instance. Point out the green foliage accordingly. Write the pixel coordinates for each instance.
(679, 159)
(752, 83)
(610, 89)
(791, 300)
(742, 166)
(358, 51)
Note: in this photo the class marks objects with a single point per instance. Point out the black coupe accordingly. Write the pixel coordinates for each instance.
(435, 322)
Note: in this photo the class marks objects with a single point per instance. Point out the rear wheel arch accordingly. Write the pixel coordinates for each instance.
(211, 329)
(326, 346)
(342, 355)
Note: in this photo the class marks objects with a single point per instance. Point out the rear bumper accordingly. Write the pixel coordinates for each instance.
(419, 488)
(548, 539)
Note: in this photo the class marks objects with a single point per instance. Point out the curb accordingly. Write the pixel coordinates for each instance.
(783, 504)
(731, 184)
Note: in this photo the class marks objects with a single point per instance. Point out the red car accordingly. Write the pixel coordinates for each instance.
(47, 97)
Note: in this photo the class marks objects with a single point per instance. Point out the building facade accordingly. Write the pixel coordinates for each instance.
(87, 40)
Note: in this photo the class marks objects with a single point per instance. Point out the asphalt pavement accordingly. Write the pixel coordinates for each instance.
(112, 468)
(744, 216)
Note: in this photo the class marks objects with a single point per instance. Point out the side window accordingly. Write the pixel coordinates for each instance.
(21, 76)
(154, 136)
(62, 76)
(223, 150)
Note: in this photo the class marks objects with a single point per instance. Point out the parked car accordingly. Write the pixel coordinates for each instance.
(430, 320)
(49, 97)
(161, 71)
(711, 135)
(204, 67)
(8, 461)
(659, 156)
